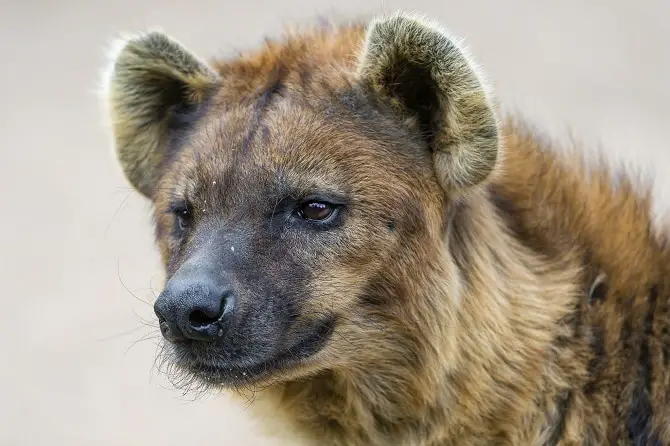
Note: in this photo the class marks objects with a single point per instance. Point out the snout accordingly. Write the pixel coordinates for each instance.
(195, 306)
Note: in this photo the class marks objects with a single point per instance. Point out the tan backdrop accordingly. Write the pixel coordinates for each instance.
(77, 258)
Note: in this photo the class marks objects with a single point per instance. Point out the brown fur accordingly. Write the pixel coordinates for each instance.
(521, 298)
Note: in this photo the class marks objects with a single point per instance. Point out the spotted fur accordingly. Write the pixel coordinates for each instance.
(485, 288)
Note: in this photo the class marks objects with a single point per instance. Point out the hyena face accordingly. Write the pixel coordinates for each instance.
(295, 196)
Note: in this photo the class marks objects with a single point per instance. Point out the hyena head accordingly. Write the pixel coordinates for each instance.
(302, 193)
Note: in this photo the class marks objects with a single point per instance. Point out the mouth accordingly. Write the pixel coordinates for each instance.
(210, 368)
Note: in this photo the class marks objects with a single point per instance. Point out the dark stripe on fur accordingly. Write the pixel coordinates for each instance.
(640, 414)
(459, 243)
(664, 335)
(512, 216)
(273, 87)
(563, 404)
(596, 364)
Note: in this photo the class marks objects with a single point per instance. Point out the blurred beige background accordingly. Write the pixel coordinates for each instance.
(76, 243)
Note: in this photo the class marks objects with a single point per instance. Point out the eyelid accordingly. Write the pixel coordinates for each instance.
(333, 199)
(178, 207)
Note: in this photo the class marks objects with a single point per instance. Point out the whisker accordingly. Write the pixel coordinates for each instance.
(118, 273)
(146, 337)
(118, 335)
(123, 204)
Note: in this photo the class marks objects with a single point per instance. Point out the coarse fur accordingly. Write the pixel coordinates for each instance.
(477, 286)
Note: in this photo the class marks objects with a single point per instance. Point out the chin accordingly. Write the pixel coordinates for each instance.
(192, 365)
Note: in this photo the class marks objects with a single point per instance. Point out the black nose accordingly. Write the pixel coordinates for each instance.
(194, 306)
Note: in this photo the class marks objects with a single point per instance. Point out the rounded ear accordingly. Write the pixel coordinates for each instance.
(151, 84)
(429, 77)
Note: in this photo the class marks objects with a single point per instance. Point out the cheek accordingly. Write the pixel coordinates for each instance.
(334, 291)
(344, 270)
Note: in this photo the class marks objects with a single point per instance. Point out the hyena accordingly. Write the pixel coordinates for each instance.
(355, 233)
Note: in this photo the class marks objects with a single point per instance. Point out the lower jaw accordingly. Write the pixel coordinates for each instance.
(284, 366)
(239, 378)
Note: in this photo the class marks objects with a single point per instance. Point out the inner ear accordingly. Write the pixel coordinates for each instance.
(414, 87)
(178, 106)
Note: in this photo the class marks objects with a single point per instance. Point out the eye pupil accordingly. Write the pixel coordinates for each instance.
(182, 219)
(315, 210)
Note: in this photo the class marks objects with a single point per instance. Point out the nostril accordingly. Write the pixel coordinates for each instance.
(202, 318)
(160, 316)
(208, 319)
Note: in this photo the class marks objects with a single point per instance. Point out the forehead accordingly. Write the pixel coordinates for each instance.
(294, 141)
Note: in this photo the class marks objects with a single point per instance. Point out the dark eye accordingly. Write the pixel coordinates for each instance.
(316, 210)
(183, 219)
(182, 215)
